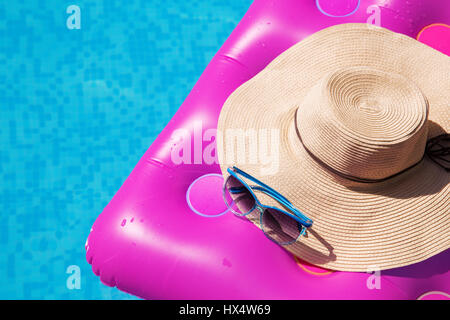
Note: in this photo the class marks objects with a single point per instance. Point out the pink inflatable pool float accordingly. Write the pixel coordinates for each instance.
(166, 234)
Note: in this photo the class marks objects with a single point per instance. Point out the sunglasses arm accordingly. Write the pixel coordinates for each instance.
(305, 220)
(246, 175)
(270, 192)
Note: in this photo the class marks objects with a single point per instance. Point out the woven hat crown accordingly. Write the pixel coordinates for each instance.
(364, 123)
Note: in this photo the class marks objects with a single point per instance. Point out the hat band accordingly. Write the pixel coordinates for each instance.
(436, 155)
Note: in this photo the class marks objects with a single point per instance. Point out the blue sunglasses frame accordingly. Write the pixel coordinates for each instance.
(304, 221)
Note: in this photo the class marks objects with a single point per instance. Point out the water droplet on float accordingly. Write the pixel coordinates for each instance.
(226, 262)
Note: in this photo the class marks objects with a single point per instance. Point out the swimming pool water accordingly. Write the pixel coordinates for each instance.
(78, 108)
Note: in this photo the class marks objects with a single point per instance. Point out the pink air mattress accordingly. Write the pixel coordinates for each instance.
(166, 234)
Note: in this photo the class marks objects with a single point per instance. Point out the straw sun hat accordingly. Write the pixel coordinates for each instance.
(356, 106)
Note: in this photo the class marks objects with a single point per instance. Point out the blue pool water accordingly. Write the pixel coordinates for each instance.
(78, 108)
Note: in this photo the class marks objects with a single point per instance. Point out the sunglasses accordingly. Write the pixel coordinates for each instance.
(279, 225)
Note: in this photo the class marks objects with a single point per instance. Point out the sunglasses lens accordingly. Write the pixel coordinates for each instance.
(280, 227)
(237, 197)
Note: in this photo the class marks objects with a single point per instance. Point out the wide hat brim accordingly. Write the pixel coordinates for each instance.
(357, 226)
